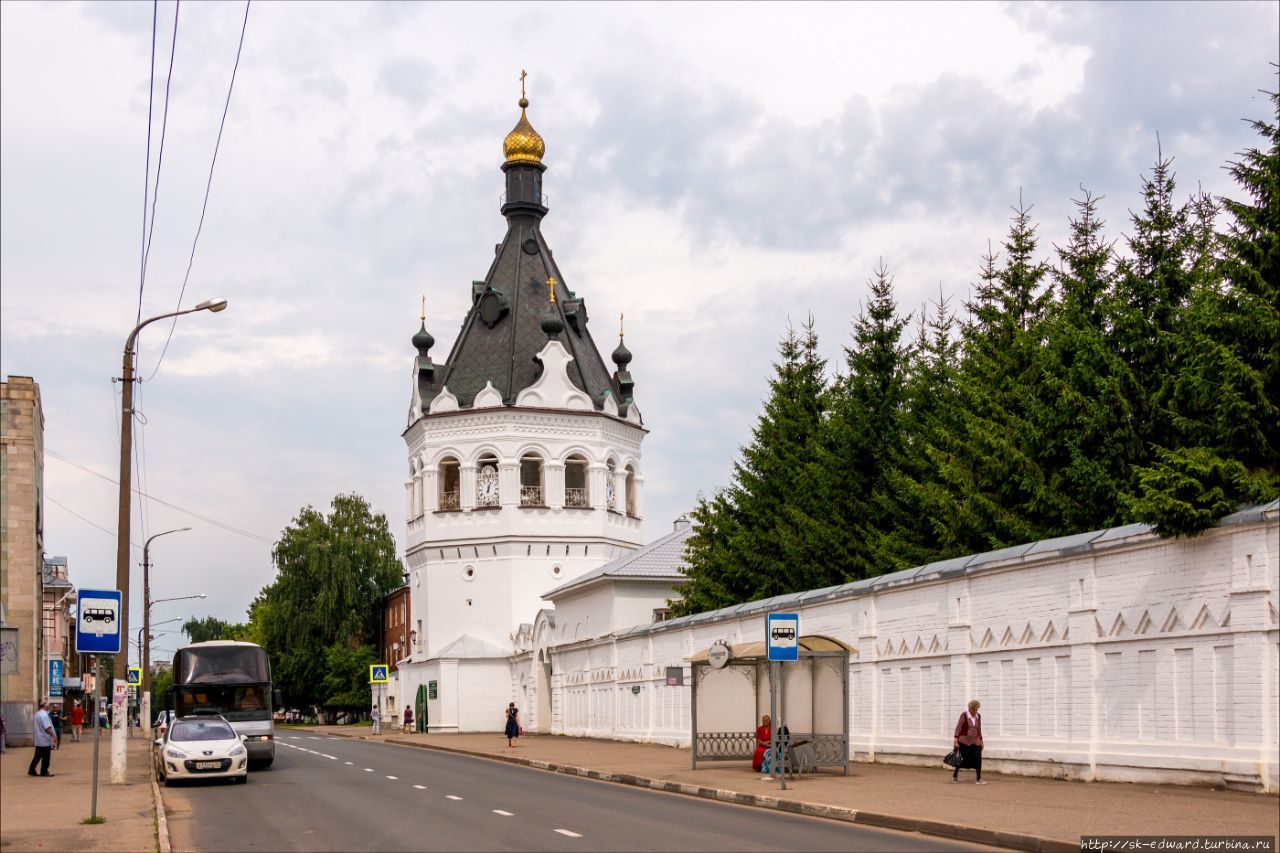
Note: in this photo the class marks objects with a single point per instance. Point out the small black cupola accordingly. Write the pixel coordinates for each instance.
(523, 149)
(622, 376)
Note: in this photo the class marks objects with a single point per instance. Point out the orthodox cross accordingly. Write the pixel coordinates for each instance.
(522, 76)
(551, 289)
(620, 327)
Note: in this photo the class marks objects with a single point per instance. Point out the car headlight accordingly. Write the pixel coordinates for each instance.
(237, 750)
(171, 752)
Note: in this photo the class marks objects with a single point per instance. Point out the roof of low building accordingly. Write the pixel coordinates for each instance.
(468, 646)
(662, 559)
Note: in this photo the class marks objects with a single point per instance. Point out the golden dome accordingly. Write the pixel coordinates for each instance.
(523, 144)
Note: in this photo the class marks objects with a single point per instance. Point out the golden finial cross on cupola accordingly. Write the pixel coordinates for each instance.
(523, 144)
(551, 290)
(621, 332)
(423, 315)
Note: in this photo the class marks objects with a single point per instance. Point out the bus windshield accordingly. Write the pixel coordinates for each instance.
(233, 701)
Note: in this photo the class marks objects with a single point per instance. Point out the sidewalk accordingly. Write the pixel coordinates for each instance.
(1019, 812)
(45, 814)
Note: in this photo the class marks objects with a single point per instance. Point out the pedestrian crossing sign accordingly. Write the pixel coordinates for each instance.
(378, 673)
(135, 675)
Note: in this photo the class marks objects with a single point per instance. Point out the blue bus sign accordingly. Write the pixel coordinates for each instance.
(782, 634)
(98, 622)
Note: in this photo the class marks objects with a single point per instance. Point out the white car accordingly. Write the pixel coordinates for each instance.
(202, 747)
(163, 721)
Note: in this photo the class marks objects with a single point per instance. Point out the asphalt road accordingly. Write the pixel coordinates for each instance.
(326, 793)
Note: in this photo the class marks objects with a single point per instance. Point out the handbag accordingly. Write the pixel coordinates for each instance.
(954, 758)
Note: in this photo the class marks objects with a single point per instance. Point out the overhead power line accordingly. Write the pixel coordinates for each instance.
(220, 524)
(146, 172)
(110, 533)
(226, 107)
(164, 127)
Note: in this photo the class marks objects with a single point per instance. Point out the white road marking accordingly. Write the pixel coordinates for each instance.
(348, 763)
(368, 770)
(421, 787)
(393, 778)
(315, 738)
(332, 757)
(568, 833)
(452, 797)
(501, 812)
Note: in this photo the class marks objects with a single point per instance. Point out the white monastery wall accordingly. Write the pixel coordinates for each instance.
(1117, 656)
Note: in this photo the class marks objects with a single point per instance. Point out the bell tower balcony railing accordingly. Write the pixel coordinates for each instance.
(576, 499)
(531, 496)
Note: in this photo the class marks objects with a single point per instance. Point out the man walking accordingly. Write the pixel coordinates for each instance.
(44, 741)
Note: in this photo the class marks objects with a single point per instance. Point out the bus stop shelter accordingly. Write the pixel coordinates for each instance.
(726, 703)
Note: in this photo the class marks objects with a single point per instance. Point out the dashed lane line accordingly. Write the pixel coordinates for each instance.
(368, 770)
(568, 833)
(421, 787)
(348, 763)
(452, 797)
(393, 778)
(501, 812)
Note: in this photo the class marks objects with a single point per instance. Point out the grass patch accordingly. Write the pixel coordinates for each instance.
(94, 820)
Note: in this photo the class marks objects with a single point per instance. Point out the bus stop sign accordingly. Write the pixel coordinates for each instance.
(782, 634)
(98, 622)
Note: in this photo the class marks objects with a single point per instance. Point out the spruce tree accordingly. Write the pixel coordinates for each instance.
(737, 551)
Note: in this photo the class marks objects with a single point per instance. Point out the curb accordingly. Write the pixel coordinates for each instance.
(162, 820)
(940, 829)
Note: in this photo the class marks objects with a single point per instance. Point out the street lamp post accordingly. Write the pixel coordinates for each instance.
(144, 649)
(118, 737)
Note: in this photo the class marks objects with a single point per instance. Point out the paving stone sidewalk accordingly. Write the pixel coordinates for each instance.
(45, 814)
(1029, 813)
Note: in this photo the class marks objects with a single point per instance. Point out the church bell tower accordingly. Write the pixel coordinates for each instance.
(524, 464)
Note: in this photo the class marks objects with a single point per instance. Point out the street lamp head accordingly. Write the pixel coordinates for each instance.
(202, 595)
(214, 305)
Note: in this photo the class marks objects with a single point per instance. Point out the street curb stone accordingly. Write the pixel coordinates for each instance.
(938, 829)
(162, 820)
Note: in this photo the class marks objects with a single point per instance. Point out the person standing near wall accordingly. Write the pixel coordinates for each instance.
(376, 716)
(44, 741)
(968, 739)
(77, 721)
(513, 724)
(55, 715)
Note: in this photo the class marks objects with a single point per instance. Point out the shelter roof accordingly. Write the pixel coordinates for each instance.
(760, 650)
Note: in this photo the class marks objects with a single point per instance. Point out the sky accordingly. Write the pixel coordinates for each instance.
(716, 171)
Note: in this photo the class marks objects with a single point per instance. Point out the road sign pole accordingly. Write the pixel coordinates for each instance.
(97, 736)
(773, 715)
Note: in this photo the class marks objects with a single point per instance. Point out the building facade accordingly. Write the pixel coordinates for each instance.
(524, 464)
(21, 555)
(57, 609)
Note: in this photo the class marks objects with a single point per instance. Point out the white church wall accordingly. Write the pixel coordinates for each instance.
(1134, 658)
(484, 689)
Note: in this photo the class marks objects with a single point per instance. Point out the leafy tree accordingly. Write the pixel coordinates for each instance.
(212, 628)
(332, 573)
(160, 681)
(346, 676)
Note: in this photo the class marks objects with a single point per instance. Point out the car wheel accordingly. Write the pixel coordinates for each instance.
(240, 780)
(168, 783)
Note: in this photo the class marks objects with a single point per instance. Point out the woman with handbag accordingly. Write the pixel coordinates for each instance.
(968, 739)
(513, 724)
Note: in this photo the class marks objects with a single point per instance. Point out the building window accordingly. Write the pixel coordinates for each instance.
(531, 481)
(631, 491)
(488, 489)
(661, 614)
(450, 488)
(575, 483)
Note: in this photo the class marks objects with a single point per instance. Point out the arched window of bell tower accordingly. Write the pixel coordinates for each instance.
(631, 490)
(531, 484)
(576, 494)
(449, 477)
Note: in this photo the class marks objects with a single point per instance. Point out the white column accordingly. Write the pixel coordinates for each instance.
(637, 483)
(553, 485)
(596, 475)
(430, 491)
(1253, 717)
(960, 645)
(1084, 723)
(509, 482)
(408, 500)
(467, 487)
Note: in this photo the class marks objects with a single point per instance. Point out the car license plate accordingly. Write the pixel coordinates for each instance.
(208, 765)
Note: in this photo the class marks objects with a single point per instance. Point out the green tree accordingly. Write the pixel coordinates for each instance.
(346, 678)
(160, 681)
(212, 628)
(332, 572)
(737, 552)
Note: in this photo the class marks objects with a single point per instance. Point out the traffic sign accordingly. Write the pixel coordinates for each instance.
(378, 673)
(135, 675)
(782, 633)
(98, 625)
